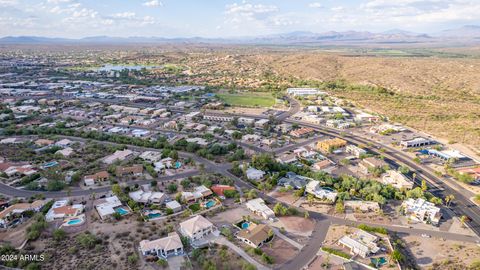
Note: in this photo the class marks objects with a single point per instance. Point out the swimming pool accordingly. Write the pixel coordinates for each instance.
(210, 203)
(153, 215)
(245, 225)
(50, 164)
(74, 221)
(121, 211)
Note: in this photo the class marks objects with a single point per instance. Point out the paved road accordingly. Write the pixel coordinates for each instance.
(462, 204)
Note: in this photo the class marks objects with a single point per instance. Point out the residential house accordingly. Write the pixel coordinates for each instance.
(135, 170)
(196, 228)
(99, 176)
(146, 196)
(258, 207)
(313, 187)
(44, 142)
(360, 243)
(64, 143)
(362, 206)
(106, 207)
(199, 192)
(119, 155)
(66, 152)
(287, 158)
(355, 150)
(164, 247)
(254, 174)
(61, 210)
(421, 210)
(174, 205)
(220, 189)
(371, 163)
(397, 180)
(255, 235)
(293, 180)
(17, 209)
(323, 165)
(152, 156)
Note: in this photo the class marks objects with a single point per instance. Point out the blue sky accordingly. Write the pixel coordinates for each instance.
(224, 18)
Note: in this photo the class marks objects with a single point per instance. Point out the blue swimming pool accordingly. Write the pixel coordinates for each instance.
(74, 221)
(210, 203)
(121, 211)
(245, 225)
(153, 215)
(50, 164)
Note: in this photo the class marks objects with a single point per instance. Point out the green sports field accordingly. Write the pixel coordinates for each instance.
(248, 99)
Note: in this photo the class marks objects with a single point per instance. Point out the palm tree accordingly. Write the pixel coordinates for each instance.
(463, 219)
(449, 199)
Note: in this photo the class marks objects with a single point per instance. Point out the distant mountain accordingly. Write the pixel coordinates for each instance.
(467, 34)
(466, 31)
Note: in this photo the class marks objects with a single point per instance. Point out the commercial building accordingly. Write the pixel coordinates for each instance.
(416, 142)
(218, 118)
(302, 132)
(304, 92)
(327, 146)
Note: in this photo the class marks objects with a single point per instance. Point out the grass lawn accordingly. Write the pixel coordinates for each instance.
(248, 99)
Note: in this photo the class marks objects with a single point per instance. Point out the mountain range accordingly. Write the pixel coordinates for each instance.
(468, 34)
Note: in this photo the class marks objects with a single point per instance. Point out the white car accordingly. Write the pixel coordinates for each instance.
(425, 235)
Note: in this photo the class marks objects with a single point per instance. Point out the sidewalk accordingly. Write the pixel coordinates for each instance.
(223, 241)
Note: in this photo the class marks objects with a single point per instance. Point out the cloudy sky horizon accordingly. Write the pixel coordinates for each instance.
(224, 18)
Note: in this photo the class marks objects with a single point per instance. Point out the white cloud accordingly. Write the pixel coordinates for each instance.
(58, 1)
(315, 5)
(124, 15)
(152, 3)
(8, 3)
(249, 10)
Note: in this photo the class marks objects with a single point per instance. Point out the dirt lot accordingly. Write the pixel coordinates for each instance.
(280, 250)
(432, 253)
(296, 225)
(285, 197)
(230, 216)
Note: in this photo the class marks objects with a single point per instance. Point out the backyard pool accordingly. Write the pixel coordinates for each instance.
(121, 211)
(50, 164)
(74, 221)
(153, 215)
(210, 203)
(245, 225)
